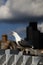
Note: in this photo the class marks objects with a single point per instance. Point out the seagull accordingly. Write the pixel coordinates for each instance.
(20, 41)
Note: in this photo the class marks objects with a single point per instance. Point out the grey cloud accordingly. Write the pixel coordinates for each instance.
(2, 2)
(29, 7)
(40, 27)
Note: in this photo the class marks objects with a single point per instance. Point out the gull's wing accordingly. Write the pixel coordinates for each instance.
(25, 43)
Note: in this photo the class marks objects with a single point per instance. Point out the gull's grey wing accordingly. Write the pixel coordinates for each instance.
(25, 43)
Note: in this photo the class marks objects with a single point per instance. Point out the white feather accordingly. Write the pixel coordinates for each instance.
(17, 37)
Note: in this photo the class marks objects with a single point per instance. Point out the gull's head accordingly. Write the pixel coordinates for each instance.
(17, 37)
(13, 33)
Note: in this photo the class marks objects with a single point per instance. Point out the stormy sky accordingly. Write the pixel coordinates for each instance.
(19, 8)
